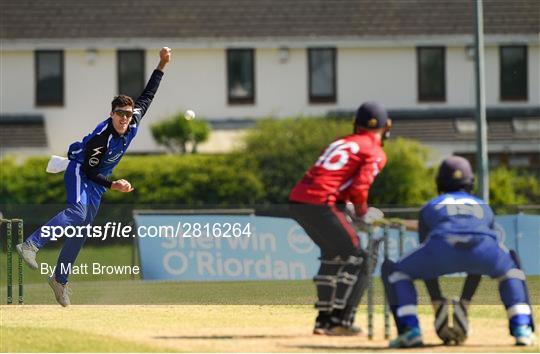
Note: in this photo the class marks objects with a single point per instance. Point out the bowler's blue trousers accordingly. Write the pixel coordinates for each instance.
(83, 199)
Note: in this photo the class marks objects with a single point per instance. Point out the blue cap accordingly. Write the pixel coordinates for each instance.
(371, 115)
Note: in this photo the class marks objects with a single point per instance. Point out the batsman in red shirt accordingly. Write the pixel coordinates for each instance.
(342, 175)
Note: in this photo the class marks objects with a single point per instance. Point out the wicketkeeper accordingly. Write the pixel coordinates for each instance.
(86, 177)
(343, 173)
(460, 234)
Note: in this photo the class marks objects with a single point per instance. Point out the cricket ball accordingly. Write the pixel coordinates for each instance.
(189, 115)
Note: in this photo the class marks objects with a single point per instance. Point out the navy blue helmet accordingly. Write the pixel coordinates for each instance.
(372, 115)
(455, 173)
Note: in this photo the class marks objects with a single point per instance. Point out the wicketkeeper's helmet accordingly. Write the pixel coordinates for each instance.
(455, 173)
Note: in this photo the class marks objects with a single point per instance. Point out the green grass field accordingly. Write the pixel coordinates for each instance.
(122, 289)
(118, 314)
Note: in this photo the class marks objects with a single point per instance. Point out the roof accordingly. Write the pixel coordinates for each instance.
(447, 130)
(506, 124)
(59, 19)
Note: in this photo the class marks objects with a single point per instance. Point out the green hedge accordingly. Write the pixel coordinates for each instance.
(191, 180)
(276, 155)
(28, 183)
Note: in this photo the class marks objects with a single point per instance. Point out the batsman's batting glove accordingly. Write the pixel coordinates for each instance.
(350, 211)
(364, 221)
(372, 215)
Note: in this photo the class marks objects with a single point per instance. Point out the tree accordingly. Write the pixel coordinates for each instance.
(176, 133)
(199, 133)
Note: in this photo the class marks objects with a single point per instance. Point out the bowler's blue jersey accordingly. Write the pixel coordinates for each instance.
(456, 214)
(100, 151)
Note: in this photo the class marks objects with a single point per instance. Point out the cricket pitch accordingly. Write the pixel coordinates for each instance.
(220, 328)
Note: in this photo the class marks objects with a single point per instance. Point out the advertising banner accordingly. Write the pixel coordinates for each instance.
(246, 247)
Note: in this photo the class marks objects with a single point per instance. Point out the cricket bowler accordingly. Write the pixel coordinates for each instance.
(460, 237)
(86, 178)
(343, 174)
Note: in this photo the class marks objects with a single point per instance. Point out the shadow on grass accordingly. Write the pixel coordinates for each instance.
(357, 347)
(247, 336)
(386, 348)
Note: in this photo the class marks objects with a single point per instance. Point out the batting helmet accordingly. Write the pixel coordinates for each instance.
(372, 115)
(455, 173)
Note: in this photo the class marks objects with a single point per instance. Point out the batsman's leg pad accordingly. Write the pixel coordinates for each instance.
(326, 283)
(346, 280)
(346, 316)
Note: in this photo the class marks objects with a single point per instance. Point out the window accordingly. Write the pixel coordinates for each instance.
(513, 72)
(322, 75)
(431, 74)
(240, 76)
(49, 77)
(131, 72)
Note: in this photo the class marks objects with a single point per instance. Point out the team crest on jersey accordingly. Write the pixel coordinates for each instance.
(114, 158)
(93, 161)
(372, 123)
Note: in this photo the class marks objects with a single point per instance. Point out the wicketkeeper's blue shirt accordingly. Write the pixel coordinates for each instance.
(456, 214)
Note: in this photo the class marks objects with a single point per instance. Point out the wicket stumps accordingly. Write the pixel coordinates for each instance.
(373, 248)
(9, 255)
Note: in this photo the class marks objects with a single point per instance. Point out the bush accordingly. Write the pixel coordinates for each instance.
(510, 187)
(284, 149)
(405, 181)
(189, 180)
